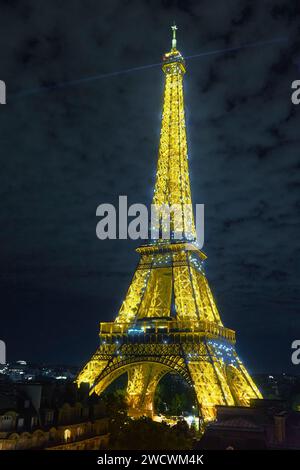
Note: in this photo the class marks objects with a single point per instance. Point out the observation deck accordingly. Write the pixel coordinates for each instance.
(158, 330)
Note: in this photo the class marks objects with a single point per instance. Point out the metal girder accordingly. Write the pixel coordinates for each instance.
(169, 294)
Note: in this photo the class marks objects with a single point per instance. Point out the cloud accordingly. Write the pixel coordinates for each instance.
(67, 150)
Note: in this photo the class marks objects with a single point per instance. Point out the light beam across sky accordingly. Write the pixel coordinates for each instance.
(55, 86)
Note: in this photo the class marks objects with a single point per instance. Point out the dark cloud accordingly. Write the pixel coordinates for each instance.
(68, 149)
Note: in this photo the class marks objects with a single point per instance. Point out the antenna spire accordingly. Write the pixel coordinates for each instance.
(174, 41)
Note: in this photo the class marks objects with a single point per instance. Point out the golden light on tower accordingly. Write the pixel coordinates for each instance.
(169, 320)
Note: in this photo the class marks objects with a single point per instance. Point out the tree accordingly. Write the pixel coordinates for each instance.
(145, 434)
(177, 405)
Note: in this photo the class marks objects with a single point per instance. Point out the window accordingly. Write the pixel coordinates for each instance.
(67, 435)
(6, 422)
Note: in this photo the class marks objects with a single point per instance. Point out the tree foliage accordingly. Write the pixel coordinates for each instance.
(145, 434)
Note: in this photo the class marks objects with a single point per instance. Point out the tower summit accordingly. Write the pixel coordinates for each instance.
(172, 186)
(169, 320)
(174, 29)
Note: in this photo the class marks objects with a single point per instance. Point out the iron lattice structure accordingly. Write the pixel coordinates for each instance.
(169, 320)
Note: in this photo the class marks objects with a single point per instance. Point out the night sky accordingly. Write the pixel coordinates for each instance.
(67, 149)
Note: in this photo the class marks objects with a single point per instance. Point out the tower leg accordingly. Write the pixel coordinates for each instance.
(241, 384)
(211, 388)
(142, 382)
(214, 382)
(209, 380)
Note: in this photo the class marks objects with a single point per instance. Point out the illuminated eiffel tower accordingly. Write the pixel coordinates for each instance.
(169, 321)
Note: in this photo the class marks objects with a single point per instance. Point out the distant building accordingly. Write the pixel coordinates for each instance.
(22, 371)
(51, 415)
(267, 424)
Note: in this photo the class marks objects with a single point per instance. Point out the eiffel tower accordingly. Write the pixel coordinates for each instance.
(169, 321)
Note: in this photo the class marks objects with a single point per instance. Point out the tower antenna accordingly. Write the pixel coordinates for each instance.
(174, 41)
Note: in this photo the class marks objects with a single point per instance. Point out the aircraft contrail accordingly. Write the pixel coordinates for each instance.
(92, 78)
